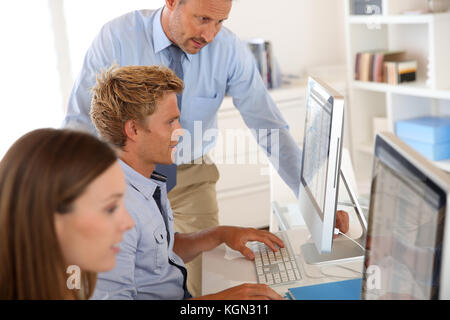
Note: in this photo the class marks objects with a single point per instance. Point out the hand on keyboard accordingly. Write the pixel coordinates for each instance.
(274, 268)
(236, 238)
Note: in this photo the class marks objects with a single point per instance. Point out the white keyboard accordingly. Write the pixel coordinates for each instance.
(275, 268)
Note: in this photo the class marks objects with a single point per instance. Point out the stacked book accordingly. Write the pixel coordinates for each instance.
(428, 135)
(384, 66)
(401, 71)
(262, 51)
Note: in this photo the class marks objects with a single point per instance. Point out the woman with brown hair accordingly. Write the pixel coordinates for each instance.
(61, 209)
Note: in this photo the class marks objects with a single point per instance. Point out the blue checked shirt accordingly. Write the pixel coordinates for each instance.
(224, 67)
(146, 266)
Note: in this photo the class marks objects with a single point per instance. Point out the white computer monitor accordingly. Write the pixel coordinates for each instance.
(407, 247)
(320, 175)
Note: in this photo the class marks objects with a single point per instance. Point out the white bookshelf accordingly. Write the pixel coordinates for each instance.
(425, 38)
(417, 88)
(398, 19)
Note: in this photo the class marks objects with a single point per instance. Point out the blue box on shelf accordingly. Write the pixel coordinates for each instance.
(428, 135)
(424, 129)
(433, 151)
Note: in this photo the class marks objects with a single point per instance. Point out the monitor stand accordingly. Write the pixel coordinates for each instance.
(343, 250)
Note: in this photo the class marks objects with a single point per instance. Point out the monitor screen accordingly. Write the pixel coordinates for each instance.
(317, 147)
(405, 230)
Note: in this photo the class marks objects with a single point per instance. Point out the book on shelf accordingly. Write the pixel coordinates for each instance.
(402, 71)
(407, 70)
(384, 66)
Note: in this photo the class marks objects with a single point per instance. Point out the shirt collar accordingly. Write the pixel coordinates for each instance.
(158, 177)
(144, 185)
(160, 40)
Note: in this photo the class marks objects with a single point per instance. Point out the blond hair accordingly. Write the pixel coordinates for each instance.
(129, 93)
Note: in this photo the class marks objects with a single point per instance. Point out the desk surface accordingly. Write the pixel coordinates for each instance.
(224, 268)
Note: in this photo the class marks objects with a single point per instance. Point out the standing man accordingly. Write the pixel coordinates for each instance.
(188, 37)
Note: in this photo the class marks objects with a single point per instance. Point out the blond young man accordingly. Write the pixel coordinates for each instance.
(135, 108)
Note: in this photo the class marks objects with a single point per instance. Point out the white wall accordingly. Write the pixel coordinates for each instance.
(304, 33)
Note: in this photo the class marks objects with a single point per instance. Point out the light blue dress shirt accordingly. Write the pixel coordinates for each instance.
(224, 67)
(146, 266)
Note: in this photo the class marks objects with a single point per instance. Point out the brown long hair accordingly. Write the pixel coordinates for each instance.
(40, 175)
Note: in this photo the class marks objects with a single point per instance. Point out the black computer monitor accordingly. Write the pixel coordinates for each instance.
(406, 243)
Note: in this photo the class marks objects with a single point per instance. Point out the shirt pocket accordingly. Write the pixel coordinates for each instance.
(161, 254)
(205, 109)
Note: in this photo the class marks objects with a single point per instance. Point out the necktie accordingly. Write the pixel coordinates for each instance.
(157, 197)
(175, 64)
(170, 171)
